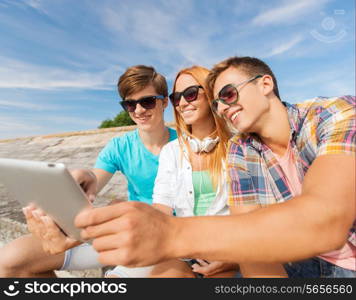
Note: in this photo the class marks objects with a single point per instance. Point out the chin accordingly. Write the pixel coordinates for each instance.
(188, 121)
(240, 128)
(146, 126)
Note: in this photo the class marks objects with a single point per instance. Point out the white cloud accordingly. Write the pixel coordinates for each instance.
(18, 74)
(70, 120)
(284, 47)
(290, 11)
(28, 105)
(22, 126)
(35, 4)
(173, 34)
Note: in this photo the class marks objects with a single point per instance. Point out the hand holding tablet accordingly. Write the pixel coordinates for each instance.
(53, 240)
(50, 187)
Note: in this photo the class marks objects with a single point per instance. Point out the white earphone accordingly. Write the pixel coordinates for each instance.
(205, 145)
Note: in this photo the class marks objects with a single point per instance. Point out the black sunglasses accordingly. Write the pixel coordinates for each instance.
(190, 94)
(148, 102)
(229, 94)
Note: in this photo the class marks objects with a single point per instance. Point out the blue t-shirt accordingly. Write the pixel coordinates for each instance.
(129, 155)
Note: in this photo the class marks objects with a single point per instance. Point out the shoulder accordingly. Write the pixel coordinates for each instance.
(318, 112)
(121, 143)
(324, 106)
(239, 143)
(128, 137)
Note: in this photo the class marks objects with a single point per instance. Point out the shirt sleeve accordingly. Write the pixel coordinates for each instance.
(241, 187)
(336, 129)
(163, 191)
(108, 159)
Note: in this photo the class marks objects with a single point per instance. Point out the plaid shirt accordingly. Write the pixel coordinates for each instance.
(318, 126)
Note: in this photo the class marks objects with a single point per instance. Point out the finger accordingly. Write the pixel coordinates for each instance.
(87, 180)
(50, 224)
(32, 206)
(36, 214)
(119, 256)
(26, 212)
(91, 198)
(213, 267)
(36, 226)
(202, 262)
(90, 189)
(110, 258)
(107, 243)
(107, 228)
(56, 236)
(199, 269)
(95, 216)
(40, 212)
(208, 269)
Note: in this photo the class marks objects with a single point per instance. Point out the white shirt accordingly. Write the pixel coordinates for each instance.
(174, 184)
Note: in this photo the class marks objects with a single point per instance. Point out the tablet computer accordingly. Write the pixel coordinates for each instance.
(48, 185)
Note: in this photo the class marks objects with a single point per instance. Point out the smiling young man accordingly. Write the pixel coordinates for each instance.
(135, 154)
(296, 161)
(285, 151)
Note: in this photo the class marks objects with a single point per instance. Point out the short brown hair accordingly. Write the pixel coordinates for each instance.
(251, 66)
(138, 77)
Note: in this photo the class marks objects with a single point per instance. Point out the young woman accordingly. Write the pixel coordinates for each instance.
(190, 179)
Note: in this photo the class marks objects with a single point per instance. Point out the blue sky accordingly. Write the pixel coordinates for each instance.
(60, 59)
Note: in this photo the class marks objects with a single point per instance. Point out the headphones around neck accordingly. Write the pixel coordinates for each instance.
(205, 145)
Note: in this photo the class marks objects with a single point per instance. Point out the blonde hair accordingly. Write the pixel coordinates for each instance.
(217, 156)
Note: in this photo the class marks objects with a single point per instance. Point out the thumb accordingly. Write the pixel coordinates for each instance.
(90, 190)
(91, 198)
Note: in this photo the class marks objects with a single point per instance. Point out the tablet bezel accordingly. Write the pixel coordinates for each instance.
(49, 186)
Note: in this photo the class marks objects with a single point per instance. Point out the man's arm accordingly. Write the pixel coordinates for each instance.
(103, 177)
(315, 222)
(249, 270)
(163, 208)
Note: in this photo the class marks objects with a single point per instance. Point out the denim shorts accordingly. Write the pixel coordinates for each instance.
(317, 268)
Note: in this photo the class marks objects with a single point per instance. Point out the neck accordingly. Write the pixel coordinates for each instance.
(154, 138)
(204, 128)
(275, 129)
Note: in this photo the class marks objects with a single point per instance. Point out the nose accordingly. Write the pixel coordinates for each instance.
(139, 109)
(183, 102)
(222, 108)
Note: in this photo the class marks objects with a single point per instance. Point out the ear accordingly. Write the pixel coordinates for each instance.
(267, 84)
(165, 103)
